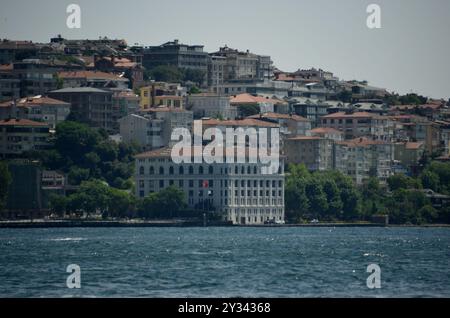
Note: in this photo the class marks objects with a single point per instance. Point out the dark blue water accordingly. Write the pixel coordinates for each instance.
(225, 262)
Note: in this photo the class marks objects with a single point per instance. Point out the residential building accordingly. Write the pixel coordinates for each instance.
(264, 104)
(211, 105)
(120, 65)
(95, 79)
(362, 158)
(415, 128)
(20, 135)
(176, 54)
(314, 152)
(162, 93)
(244, 65)
(12, 51)
(328, 133)
(89, 105)
(38, 108)
(37, 76)
(238, 192)
(408, 154)
(153, 128)
(216, 71)
(290, 124)
(360, 124)
(9, 83)
(312, 109)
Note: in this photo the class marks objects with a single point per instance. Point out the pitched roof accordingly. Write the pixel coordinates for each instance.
(413, 145)
(271, 115)
(305, 138)
(22, 122)
(246, 98)
(326, 130)
(91, 75)
(33, 101)
(361, 142)
(248, 122)
(80, 90)
(350, 115)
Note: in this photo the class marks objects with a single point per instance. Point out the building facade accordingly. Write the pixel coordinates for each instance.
(89, 105)
(20, 135)
(314, 152)
(41, 109)
(237, 192)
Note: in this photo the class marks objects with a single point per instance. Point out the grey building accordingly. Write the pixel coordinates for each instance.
(176, 54)
(89, 105)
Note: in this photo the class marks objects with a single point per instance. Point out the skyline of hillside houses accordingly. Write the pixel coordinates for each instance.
(324, 122)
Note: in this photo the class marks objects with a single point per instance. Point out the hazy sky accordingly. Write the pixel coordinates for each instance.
(409, 53)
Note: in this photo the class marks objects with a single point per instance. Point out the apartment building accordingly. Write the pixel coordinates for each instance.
(89, 105)
(362, 158)
(211, 105)
(20, 135)
(38, 108)
(360, 124)
(314, 152)
(152, 128)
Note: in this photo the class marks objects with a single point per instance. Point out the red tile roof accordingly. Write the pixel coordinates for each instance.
(271, 115)
(351, 115)
(90, 74)
(22, 122)
(248, 122)
(246, 98)
(34, 101)
(326, 130)
(361, 142)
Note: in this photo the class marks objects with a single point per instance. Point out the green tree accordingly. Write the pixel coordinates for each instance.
(5, 180)
(400, 181)
(193, 75)
(166, 73)
(167, 203)
(58, 204)
(248, 110)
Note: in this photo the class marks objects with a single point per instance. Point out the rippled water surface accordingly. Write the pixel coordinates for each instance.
(225, 262)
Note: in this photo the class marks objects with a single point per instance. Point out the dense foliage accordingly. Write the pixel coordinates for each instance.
(5, 179)
(331, 196)
(86, 153)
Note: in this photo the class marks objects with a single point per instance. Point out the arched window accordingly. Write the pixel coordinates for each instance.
(210, 169)
(200, 170)
(161, 170)
(181, 170)
(141, 171)
(249, 170)
(236, 170)
(242, 170)
(152, 170)
(255, 170)
(191, 170)
(171, 170)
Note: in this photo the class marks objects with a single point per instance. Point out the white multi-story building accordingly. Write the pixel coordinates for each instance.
(239, 192)
(211, 105)
(152, 128)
